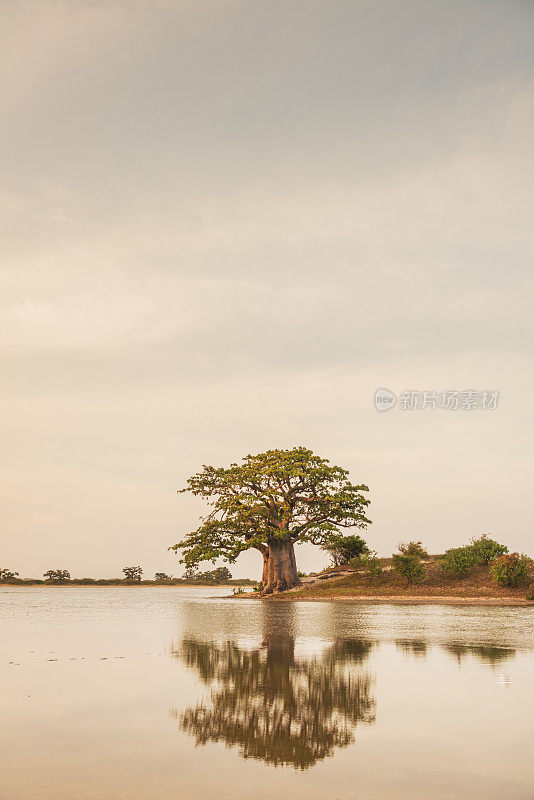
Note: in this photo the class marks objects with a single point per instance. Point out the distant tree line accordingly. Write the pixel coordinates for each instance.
(7, 575)
(218, 575)
(131, 575)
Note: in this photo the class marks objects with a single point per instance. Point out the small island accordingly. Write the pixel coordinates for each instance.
(275, 500)
(435, 585)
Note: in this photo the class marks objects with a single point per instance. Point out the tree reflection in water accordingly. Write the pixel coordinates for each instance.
(276, 706)
(488, 654)
(412, 647)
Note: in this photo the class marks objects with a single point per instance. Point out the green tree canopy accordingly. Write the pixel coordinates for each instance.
(57, 575)
(162, 576)
(269, 502)
(132, 573)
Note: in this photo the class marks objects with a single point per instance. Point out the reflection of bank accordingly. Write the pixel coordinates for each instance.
(274, 705)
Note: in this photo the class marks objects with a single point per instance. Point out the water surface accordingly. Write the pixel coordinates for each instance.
(156, 693)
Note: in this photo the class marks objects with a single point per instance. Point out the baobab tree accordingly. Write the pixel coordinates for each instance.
(270, 502)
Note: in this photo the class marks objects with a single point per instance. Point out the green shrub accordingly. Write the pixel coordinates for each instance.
(371, 564)
(486, 549)
(413, 549)
(511, 569)
(530, 592)
(458, 561)
(344, 548)
(408, 566)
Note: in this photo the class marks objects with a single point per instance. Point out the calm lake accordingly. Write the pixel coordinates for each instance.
(156, 693)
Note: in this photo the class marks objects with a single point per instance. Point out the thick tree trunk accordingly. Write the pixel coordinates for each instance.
(279, 567)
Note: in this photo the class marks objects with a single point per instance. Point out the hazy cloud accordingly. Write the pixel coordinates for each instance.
(224, 224)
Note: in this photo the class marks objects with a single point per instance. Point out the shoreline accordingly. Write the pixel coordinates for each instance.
(415, 600)
(393, 600)
(73, 585)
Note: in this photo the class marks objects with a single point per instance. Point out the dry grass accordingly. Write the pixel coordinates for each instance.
(435, 584)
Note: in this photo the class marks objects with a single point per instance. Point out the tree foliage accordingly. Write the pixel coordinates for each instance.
(344, 548)
(7, 575)
(413, 549)
(57, 575)
(218, 575)
(221, 574)
(372, 564)
(133, 573)
(486, 549)
(511, 570)
(408, 566)
(460, 561)
(280, 495)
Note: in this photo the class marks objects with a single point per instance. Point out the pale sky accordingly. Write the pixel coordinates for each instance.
(224, 225)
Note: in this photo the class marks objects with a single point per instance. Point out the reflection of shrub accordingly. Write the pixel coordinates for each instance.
(371, 564)
(408, 566)
(459, 561)
(530, 592)
(511, 569)
(413, 549)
